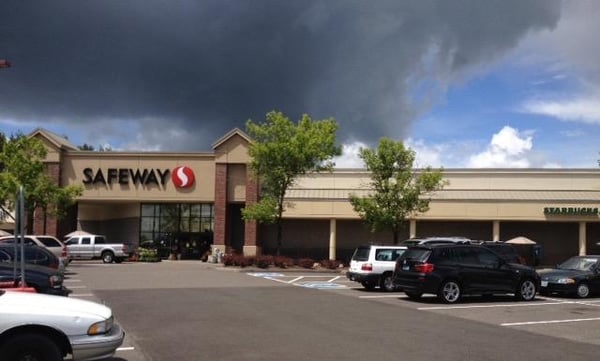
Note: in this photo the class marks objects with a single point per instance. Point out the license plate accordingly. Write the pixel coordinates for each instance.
(544, 283)
(405, 267)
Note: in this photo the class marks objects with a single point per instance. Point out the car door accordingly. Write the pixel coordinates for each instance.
(594, 281)
(74, 247)
(494, 273)
(468, 268)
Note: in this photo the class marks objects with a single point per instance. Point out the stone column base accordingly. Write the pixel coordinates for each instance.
(252, 251)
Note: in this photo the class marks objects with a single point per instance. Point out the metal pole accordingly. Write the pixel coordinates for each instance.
(21, 215)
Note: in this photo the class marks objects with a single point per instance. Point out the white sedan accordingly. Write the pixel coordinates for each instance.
(43, 327)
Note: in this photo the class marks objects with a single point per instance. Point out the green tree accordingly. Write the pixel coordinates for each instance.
(21, 159)
(398, 191)
(282, 150)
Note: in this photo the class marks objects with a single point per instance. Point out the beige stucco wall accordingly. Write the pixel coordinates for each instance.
(470, 194)
(234, 150)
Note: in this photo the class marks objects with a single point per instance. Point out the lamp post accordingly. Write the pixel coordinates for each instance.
(4, 63)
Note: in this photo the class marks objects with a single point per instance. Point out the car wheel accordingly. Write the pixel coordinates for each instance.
(368, 285)
(387, 283)
(414, 295)
(108, 257)
(449, 292)
(30, 347)
(583, 290)
(526, 290)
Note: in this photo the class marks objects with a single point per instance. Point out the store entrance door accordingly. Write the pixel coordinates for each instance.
(236, 227)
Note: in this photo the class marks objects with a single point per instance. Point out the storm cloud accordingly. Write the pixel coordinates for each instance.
(178, 74)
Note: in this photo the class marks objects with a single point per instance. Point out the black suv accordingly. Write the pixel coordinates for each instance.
(451, 270)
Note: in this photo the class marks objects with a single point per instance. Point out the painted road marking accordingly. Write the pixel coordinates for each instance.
(549, 322)
(321, 285)
(126, 348)
(491, 306)
(265, 274)
(300, 280)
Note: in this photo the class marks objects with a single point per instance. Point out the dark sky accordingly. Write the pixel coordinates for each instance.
(203, 67)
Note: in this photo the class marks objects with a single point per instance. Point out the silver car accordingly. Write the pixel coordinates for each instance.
(43, 327)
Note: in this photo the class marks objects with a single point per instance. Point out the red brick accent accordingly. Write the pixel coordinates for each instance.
(220, 204)
(250, 229)
(45, 223)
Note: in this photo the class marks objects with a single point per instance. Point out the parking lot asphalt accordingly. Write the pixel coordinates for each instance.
(196, 311)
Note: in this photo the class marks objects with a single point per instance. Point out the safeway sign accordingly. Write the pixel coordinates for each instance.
(181, 176)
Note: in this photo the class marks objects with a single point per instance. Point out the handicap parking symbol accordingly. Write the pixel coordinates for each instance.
(322, 285)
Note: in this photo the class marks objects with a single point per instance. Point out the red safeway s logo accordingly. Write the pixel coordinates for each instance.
(183, 177)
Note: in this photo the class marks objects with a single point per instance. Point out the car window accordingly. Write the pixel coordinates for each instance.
(467, 256)
(72, 241)
(361, 254)
(384, 254)
(100, 240)
(86, 240)
(416, 254)
(5, 257)
(49, 241)
(27, 241)
(35, 255)
(487, 258)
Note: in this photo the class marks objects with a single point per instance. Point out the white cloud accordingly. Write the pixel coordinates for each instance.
(580, 110)
(349, 157)
(426, 155)
(508, 149)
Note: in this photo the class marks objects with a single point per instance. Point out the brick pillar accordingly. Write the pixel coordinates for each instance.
(220, 207)
(44, 223)
(251, 246)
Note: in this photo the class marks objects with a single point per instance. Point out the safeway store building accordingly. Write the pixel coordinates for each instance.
(178, 201)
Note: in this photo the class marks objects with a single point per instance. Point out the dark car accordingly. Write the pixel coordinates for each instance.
(42, 279)
(35, 255)
(578, 276)
(504, 250)
(452, 270)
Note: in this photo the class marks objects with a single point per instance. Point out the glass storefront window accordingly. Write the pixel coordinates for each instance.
(184, 229)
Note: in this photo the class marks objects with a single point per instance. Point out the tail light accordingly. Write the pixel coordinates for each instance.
(64, 252)
(366, 267)
(424, 267)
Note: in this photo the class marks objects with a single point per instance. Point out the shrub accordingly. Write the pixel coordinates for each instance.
(306, 262)
(148, 255)
(264, 261)
(228, 260)
(243, 261)
(330, 264)
(283, 262)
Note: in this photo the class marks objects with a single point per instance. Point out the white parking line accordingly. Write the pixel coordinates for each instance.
(81, 295)
(76, 287)
(381, 296)
(296, 279)
(549, 322)
(126, 348)
(490, 306)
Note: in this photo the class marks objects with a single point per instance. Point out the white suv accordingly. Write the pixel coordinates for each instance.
(373, 266)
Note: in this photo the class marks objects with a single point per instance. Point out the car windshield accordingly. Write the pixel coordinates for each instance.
(578, 263)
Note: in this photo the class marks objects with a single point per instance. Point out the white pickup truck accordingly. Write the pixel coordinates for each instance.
(96, 247)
